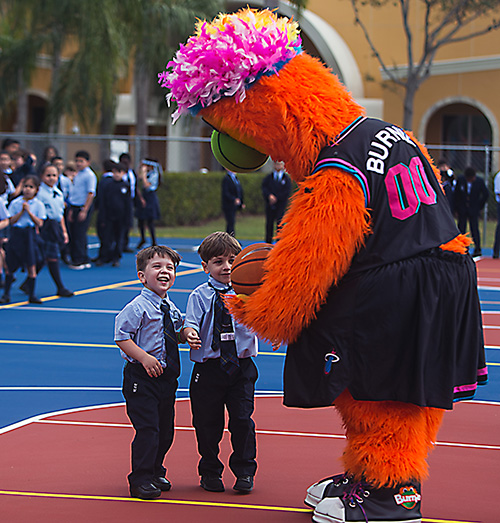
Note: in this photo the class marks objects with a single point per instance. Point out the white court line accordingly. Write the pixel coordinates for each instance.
(39, 417)
(270, 394)
(259, 431)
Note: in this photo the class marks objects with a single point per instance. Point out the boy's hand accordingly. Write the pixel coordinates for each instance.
(152, 366)
(193, 339)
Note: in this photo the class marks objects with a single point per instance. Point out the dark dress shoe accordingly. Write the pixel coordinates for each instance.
(162, 483)
(65, 293)
(244, 484)
(34, 299)
(146, 491)
(212, 483)
(5, 299)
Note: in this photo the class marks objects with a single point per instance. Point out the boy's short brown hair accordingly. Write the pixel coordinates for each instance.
(144, 255)
(217, 244)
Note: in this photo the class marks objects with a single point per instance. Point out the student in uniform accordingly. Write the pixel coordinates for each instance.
(224, 373)
(53, 231)
(152, 368)
(114, 213)
(80, 200)
(27, 214)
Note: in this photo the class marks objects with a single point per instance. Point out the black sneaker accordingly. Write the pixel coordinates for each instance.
(212, 483)
(361, 503)
(35, 299)
(5, 299)
(244, 484)
(331, 487)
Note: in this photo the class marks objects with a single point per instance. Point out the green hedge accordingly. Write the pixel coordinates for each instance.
(192, 198)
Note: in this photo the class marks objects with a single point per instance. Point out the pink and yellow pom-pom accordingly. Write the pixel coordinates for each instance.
(226, 56)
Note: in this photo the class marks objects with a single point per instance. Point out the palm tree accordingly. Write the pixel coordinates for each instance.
(159, 26)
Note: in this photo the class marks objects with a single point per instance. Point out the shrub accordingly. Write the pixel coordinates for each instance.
(192, 198)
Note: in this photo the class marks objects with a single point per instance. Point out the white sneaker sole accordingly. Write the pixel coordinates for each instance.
(315, 493)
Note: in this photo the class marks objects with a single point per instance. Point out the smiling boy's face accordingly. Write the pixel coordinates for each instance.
(159, 275)
(219, 267)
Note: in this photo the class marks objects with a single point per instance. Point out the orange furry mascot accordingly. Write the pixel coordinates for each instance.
(370, 283)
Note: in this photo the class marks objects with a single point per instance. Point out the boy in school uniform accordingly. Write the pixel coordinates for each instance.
(114, 213)
(224, 373)
(145, 332)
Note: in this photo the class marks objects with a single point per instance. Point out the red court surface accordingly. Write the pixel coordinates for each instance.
(73, 466)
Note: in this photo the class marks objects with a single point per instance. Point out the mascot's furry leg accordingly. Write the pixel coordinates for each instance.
(385, 458)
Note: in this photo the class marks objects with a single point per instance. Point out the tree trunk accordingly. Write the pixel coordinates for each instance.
(142, 86)
(54, 122)
(409, 102)
(21, 125)
(106, 126)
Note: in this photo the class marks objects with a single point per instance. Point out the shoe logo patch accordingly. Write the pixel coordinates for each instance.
(408, 497)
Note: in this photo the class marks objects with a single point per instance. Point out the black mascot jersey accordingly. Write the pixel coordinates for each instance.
(404, 324)
(401, 191)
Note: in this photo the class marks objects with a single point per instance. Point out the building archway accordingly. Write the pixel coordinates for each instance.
(319, 39)
(37, 112)
(460, 124)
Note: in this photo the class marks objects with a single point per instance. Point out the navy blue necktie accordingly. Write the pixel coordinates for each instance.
(171, 346)
(223, 337)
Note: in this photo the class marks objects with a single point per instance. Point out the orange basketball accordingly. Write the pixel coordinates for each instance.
(248, 268)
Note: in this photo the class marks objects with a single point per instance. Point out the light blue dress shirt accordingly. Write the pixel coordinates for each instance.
(141, 320)
(4, 213)
(36, 207)
(53, 199)
(84, 182)
(200, 316)
(65, 185)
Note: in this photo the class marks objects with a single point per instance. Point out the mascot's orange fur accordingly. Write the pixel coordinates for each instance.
(292, 114)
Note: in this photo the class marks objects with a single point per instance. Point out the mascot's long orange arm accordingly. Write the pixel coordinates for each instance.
(314, 251)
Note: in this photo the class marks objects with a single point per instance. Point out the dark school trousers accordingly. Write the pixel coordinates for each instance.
(150, 408)
(274, 214)
(78, 236)
(211, 390)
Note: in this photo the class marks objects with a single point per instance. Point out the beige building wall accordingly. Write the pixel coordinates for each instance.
(467, 71)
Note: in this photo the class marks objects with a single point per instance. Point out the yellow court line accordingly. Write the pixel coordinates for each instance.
(95, 289)
(183, 502)
(167, 501)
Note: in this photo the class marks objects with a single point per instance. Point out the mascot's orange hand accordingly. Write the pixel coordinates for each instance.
(236, 305)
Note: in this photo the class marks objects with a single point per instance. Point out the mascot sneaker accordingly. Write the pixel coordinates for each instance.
(331, 487)
(360, 503)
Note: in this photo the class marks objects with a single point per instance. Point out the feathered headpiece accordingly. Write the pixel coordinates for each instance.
(226, 56)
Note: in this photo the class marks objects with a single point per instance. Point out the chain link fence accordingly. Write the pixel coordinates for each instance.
(193, 153)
